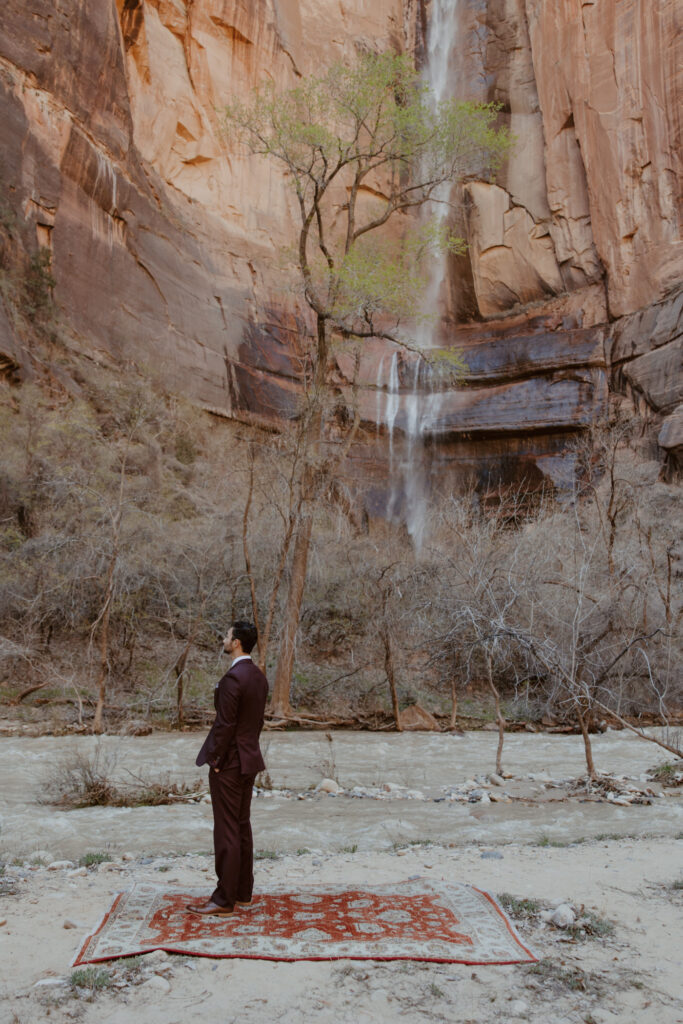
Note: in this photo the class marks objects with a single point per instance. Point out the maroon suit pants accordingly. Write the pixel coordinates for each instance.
(232, 839)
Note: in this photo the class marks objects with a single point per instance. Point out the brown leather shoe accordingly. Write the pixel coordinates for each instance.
(210, 908)
(243, 903)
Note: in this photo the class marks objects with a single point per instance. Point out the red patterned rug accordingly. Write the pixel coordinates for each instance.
(417, 920)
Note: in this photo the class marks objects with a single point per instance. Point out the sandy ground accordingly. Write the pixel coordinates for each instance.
(632, 974)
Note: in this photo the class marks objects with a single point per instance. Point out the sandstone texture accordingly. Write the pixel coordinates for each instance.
(166, 240)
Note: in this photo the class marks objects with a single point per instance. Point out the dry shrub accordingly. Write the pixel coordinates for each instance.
(83, 780)
(87, 780)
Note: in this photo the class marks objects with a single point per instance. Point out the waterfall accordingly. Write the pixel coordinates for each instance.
(393, 402)
(418, 408)
(438, 75)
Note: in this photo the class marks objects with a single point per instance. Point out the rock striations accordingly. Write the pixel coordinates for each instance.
(166, 241)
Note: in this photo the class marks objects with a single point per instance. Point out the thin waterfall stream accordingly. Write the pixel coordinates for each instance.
(413, 404)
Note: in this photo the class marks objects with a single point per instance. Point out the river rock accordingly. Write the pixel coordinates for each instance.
(328, 786)
(563, 916)
(496, 780)
(60, 865)
(157, 984)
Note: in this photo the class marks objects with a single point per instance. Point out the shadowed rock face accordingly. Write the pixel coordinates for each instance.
(165, 241)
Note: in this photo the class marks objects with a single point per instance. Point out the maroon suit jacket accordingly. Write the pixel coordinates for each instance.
(240, 702)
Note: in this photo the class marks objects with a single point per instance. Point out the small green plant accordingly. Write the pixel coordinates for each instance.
(545, 841)
(591, 926)
(677, 885)
(519, 906)
(302, 851)
(435, 991)
(349, 849)
(89, 859)
(669, 773)
(266, 855)
(130, 965)
(37, 862)
(93, 978)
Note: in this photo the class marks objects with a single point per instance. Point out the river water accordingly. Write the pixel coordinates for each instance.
(297, 761)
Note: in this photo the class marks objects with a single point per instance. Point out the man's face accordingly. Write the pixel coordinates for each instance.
(229, 643)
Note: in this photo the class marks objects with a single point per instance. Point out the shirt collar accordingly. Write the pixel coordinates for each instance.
(242, 657)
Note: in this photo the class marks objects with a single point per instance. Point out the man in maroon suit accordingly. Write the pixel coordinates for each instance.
(232, 752)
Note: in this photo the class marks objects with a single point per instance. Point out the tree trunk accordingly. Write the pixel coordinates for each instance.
(391, 676)
(104, 640)
(179, 669)
(310, 485)
(264, 639)
(590, 765)
(499, 717)
(454, 704)
(280, 706)
(245, 546)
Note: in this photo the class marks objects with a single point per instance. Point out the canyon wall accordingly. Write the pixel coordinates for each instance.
(166, 241)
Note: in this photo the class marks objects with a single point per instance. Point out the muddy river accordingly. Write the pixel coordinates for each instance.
(424, 763)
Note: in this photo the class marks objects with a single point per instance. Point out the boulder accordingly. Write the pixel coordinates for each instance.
(416, 718)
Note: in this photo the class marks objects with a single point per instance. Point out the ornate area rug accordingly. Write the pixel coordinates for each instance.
(417, 920)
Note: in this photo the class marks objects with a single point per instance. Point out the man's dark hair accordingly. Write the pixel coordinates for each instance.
(246, 633)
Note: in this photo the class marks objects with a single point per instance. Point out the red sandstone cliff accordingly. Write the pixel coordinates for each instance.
(166, 243)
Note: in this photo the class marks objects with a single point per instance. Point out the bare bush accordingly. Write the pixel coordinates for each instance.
(89, 780)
